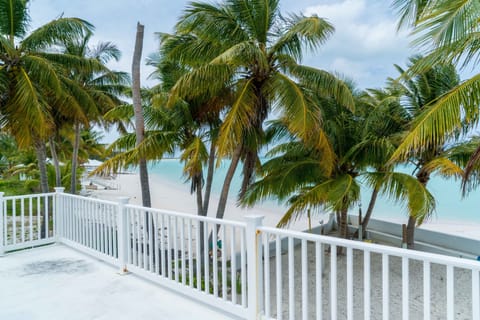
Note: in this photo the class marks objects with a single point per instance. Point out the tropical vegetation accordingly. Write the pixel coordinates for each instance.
(447, 32)
(230, 85)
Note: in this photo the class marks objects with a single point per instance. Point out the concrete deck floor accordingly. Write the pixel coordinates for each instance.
(57, 282)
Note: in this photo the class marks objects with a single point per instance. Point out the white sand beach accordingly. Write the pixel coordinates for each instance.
(169, 196)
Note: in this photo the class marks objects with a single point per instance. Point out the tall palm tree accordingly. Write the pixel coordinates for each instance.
(100, 88)
(447, 30)
(197, 122)
(248, 48)
(419, 91)
(29, 74)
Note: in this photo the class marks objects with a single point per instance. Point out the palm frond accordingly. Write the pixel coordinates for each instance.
(404, 189)
(442, 118)
(302, 31)
(194, 156)
(55, 32)
(237, 121)
(331, 195)
(206, 80)
(324, 84)
(445, 167)
(14, 18)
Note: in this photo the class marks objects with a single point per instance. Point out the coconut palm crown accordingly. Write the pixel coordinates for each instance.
(29, 68)
(250, 50)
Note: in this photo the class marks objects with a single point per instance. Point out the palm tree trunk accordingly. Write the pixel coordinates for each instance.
(198, 190)
(56, 164)
(368, 214)
(343, 228)
(222, 203)
(412, 221)
(139, 120)
(76, 147)
(209, 181)
(41, 152)
(200, 211)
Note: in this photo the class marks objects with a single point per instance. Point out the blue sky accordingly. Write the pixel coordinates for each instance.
(364, 47)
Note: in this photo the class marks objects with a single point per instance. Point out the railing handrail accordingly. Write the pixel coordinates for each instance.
(32, 195)
(188, 216)
(69, 195)
(377, 248)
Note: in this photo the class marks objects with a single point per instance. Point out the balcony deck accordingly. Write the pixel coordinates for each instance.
(57, 282)
(305, 276)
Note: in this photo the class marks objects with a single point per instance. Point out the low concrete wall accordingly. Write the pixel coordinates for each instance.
(425, 240)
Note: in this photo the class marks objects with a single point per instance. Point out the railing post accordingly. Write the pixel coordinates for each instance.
(57, 216)
(254, 266)
(123, 237)
(2, 226)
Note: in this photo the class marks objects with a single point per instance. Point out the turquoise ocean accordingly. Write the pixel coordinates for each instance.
(451, 207)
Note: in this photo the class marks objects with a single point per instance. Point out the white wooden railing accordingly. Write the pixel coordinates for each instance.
(244, 268)
(26, 221)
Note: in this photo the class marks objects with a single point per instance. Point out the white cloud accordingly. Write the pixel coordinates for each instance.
(365, 44)
(339, 11)
(365, 37)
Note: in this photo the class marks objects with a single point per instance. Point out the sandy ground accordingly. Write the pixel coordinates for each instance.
(462, 288)
(165, 195)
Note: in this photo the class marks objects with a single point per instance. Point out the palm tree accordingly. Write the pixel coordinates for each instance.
(197, 122)
(383, 119)
(419, 91)
(99, 92)
(448, 31)
(247, 48)
(29, 75)
(361, 143)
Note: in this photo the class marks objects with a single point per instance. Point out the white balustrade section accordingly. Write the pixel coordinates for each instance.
(199, 256)
(26, 221)
(320, 277)
(244, 268)
(90, 225)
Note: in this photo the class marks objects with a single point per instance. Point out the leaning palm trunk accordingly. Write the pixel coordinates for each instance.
(368, 214)
(208, 183)
(76, 147)
(41, 152)
(222, 203)
(203, 204)
(197, 181)
(56, 164)
(139, 120)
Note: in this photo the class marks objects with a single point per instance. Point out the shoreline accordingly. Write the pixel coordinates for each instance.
(169, 196)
